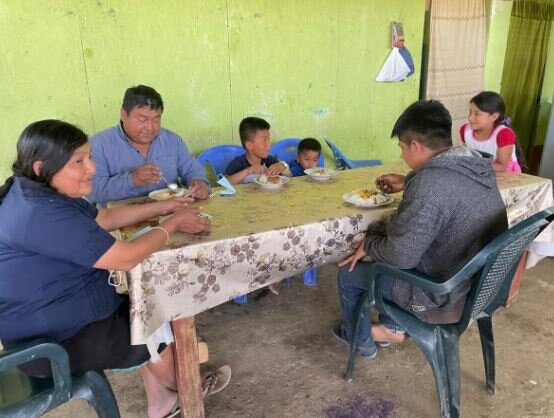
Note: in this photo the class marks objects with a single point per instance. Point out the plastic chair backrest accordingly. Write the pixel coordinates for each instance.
(287, 149)
(341, 161)
(502, 257)
(40, 395)
(219, 156)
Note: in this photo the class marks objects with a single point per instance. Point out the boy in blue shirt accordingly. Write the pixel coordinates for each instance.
(256, 140)
(309, 151)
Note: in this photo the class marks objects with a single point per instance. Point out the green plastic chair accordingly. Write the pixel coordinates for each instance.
(492, 271)
(34, 397)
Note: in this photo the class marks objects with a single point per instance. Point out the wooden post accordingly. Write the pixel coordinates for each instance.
(187, 368)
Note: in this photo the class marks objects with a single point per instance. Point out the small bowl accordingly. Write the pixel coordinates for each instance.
(321, 173)
(268, 184)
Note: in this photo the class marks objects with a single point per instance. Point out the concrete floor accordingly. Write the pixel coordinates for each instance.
(286, 363)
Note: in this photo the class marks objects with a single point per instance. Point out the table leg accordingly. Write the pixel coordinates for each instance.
(187, 368)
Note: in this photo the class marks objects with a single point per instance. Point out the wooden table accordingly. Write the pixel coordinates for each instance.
(259, 237)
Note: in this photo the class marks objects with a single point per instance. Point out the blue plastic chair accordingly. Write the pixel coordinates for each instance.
(286, 150)
(219, 156)
(491, 271)
(40, 395)
(342, 162)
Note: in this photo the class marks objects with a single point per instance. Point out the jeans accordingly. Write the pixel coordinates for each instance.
(352, 286)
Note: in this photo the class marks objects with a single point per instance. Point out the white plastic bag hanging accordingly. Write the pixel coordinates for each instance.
(399, 64)
(394, 68)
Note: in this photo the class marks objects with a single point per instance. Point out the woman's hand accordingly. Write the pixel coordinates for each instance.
(355, 257)
(187, 220)
(169, 206)
(390, 183)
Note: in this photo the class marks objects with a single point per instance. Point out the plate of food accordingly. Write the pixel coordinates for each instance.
(271, 182)
(367, 198)
(321, 173)
(164, 194)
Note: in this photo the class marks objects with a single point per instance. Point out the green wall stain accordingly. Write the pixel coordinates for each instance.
(307, 67)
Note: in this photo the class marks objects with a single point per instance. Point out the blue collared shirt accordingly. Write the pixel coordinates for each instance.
(116, 159)
(49, 244)
(296, 169)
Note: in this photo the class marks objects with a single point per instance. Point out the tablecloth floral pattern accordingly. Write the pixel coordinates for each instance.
(260, 236)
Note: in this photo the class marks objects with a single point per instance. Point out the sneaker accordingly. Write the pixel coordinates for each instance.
(339, 335)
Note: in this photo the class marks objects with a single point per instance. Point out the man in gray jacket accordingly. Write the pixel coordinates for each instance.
(451, 208)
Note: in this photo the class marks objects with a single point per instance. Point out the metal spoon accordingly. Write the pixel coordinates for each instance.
(173, 187)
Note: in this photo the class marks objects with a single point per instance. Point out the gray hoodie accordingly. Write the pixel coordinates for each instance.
(450, 210)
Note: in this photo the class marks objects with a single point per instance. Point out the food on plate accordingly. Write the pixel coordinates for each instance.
(321, 172)
(272, 180)
(365, 196)
(164, 194)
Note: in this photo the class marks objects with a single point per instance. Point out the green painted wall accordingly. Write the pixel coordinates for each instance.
(499, 22)
(496, 50)
(547, 93)
(307, 66)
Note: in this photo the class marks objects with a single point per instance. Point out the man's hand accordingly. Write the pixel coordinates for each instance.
(198, 189)
(354, 258)
(390, 183)
(146, 174)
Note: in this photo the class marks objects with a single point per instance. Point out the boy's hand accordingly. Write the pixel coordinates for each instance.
(275, 169)
(390, 183)
(255, 169)
(355, 257)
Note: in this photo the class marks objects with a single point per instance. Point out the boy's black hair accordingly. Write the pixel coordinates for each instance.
(249, 126)
(142, 96)
(490, 102)
(426, 121)
(309, 144)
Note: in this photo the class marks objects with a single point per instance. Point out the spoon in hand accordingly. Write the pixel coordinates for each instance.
(173, 188)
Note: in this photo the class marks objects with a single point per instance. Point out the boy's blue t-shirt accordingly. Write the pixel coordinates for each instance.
(296, 169)
(48, 246)
(241, 162)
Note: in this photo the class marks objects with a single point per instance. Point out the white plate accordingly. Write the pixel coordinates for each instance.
(321, 173)
(354, 199)
(267, 185)
(164, 194)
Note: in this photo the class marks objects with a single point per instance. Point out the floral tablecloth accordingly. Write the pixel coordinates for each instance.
(260, 236)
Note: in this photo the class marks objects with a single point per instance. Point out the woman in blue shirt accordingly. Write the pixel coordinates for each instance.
(55, 253)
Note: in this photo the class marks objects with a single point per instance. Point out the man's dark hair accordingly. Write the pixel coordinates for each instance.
(426, 121)
(309, 144)
(142, 96)
(249, 126)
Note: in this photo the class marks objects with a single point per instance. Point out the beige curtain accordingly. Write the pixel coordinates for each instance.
(457, 46)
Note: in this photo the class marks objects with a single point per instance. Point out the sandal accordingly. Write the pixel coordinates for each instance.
(384, 337)
(176, 410)
(215, 382)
